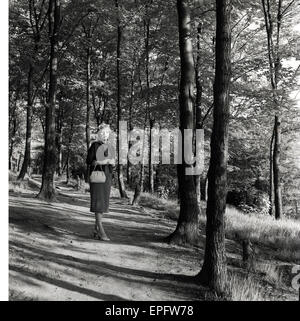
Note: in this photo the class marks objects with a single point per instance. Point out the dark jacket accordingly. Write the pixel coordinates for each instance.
(91, 157)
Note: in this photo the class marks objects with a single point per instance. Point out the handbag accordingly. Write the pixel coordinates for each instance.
(97, 176)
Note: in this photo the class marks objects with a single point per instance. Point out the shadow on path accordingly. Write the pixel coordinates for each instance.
(137, 239)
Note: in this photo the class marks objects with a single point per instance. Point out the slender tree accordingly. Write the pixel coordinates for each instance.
(88, 30)
(37, 23)
(213, 273)
(276, 171)
(271, 174)
(274, 59)
(59, 136)
(26, 160)
(130, 125)
(13, 124)
(198, 103)
(147, 22)
(119, 111)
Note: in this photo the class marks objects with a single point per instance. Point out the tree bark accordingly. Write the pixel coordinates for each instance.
(187, 225)
(19, 162)
(119, 111)
(129, 168)
(271, 174)
(13, 127)
(151, 120)
(69, 146)
(140, 185)
(198, 107)
(88, 107)
(27, 156)
(276, 171)
(47, 191)
(274, 74)
(151, 167)
(203, 187)
(67, 170)
(37, 25)
(213, 273)
(59, 127)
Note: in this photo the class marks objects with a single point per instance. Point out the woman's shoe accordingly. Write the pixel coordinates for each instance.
(99, 237)
(104, 238)
(95, 235)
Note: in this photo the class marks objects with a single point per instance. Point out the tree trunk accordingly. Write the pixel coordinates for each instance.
(97, 116)
(151, 121)
(47, 191)
(36, 35)
(274, 73)
(140, 185)
(119, 113)
(88, 107)
(137, 193)
(59, 139)
(203, 187)
(271, 174)
(11, 150)
(151, 167)
(187, 226)
(198, 107)
(67, 170)
(213, 273)
(27, 158)
(276, 172)
(129, 179)
(67, 164)
(19, 162)
(59, 153)
(13, 130)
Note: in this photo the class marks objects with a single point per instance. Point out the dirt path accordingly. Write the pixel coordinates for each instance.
(53, 257)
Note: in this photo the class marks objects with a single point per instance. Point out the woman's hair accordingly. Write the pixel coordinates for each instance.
(103, 132)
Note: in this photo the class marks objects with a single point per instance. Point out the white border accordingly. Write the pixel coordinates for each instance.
(4, 151)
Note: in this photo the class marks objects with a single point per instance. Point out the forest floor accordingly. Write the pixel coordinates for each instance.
(52, 255)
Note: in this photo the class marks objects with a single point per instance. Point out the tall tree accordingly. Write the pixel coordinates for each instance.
(150, 118)
(274, 74)
(119, 110)
(59, 138)
(48, 185)
(198, 103)
(37, 23)
(130, 125)
(276, 170)
(213, 273)
(187, 225)
(88, 30)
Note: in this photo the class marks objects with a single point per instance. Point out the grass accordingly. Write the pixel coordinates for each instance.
(282, 235)
(269, 272)
(168, 206)
(21, 186)
(256, 284)
(245, 288)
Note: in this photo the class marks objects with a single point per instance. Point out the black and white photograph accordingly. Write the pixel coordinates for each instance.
(153, 152)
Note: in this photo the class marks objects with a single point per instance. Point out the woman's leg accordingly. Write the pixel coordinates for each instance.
(99, 227)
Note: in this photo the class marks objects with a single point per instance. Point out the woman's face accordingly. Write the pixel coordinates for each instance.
(103, 134)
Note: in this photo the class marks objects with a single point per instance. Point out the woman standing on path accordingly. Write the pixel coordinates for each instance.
(100, 158)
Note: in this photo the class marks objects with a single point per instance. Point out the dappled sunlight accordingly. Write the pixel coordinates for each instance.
(52, 251)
